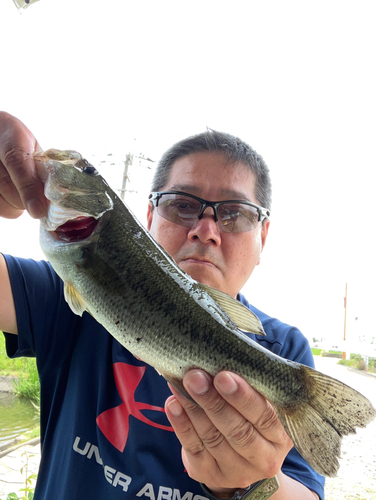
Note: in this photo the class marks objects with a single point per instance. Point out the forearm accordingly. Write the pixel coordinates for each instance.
(8, 322)
(289, 489)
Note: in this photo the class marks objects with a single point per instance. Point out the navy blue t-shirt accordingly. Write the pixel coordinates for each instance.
(104, 432)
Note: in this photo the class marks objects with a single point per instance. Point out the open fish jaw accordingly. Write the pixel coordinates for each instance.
(61, 192)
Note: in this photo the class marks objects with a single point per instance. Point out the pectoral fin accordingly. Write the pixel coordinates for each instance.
(243, 317)
(74, 299)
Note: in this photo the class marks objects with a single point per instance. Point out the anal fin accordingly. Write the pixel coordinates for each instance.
(177, 383)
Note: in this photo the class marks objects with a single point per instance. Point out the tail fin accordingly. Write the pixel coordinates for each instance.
(333, 410)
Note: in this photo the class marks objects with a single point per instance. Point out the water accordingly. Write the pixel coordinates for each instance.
(17, 415)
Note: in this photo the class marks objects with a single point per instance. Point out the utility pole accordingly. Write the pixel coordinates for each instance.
(127, 163)
(344, 330)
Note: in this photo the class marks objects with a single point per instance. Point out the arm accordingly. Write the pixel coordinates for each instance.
(234, 437)
(8, 322)
(20, 187)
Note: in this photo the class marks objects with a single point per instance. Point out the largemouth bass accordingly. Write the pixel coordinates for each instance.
(113, 268)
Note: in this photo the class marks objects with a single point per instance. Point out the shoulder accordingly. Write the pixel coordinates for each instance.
(285, 340)
(33, 279)
(19, 267)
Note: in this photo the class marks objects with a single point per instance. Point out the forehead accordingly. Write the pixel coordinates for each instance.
(213, 175)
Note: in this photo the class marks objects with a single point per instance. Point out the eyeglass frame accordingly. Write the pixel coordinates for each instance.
(263, 213)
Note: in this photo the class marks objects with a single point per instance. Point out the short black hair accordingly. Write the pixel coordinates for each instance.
(233, 148)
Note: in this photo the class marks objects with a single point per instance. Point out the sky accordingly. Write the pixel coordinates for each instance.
(296, 80)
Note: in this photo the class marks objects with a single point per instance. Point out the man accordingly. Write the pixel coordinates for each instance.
(103, 432)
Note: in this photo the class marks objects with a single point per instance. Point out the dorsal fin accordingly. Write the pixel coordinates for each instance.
(243, 317)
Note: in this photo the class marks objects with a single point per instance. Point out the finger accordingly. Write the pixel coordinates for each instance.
(23, 188)
(197, 430)
(10, 202)
(252, 406)
(182, 425)
(20, 185)
(242, 432)
(238, 431)
(207, 455)
(8, 211)
(194, 454)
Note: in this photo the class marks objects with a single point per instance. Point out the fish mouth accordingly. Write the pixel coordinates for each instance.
(76, 229)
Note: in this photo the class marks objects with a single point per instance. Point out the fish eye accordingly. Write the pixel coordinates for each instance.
(88, 168)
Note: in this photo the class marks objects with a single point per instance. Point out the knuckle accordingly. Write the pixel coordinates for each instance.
(5, 181)
(215, 406)
(243, 435)
(16, 160)
(15, 157)
(186, 436)
(212, 438)
(195, 449)
(268, 419)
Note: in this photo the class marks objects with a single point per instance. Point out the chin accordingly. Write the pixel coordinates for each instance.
(204, 275)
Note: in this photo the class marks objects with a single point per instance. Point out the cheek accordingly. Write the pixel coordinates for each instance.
(247, 255)
(167, 235)
(258, 245)
(256, 251)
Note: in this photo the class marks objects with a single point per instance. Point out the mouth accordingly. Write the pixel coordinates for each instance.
(192, 260)
(76, 229)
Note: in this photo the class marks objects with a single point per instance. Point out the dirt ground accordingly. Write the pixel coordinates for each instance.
(356, 477)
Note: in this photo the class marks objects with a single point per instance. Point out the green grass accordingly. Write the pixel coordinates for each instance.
(315, 351)
(31, 434)
(356, 361)
(18, 367)
(24, 369)
(29, 387)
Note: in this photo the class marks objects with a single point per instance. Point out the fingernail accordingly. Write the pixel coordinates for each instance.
(175, 408)
(198, 383)
(226, 384)
(35, 208)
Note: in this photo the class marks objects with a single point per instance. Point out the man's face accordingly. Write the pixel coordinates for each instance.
(223, 261)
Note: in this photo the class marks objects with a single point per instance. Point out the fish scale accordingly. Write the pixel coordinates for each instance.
(130, 285)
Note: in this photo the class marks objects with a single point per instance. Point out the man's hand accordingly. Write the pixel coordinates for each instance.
(20, 186)
(233, 438)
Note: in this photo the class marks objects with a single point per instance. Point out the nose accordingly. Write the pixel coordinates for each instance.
(206, 229)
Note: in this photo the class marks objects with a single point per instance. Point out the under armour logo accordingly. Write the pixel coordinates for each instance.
(114, 423)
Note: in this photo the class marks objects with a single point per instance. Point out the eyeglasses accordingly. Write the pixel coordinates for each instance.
(231, 216)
